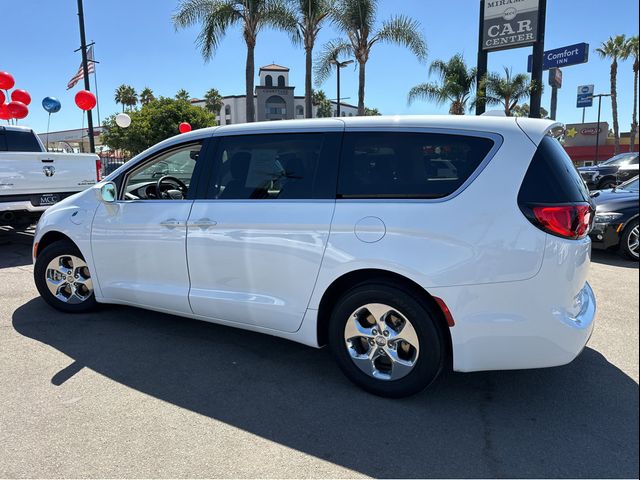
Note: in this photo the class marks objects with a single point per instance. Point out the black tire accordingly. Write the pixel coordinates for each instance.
(432, 345)
(61, 247)
(624, 249)
(607, 184)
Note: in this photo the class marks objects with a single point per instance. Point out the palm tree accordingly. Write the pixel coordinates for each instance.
(357, 20)
(146, 96)
(182, 94)
(505, 91)
(311, 15)
(319, 99)
(631, 51)
(126, 95)
(457, 82)
(213, 101)
(217, 16)
(524, 111)
(613, 48)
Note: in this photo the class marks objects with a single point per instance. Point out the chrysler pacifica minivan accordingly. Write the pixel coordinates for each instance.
(408, 245)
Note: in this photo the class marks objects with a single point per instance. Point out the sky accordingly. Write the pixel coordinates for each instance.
(137, 44)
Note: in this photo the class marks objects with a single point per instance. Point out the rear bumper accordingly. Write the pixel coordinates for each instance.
(28, 202)
(22, 206)
(545, 321)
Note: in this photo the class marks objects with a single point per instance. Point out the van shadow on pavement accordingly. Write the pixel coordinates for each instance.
(580, 420)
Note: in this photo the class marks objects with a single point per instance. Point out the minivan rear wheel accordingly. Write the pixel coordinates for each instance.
(63, 279)
(386, 341)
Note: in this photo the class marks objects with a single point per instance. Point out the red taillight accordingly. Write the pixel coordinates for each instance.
(569, 221)
(98, 170)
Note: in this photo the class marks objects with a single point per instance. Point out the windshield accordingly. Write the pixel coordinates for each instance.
(622, 159)
(631, 185)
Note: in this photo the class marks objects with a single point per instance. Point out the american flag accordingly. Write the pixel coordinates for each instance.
(80, 75)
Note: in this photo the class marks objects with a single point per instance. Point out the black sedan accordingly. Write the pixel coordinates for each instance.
(616, 222)
(610, 173)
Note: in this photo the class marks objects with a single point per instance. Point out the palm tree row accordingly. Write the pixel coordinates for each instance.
(621, 48)
(456, 85)
(127, 96)
(302, 20)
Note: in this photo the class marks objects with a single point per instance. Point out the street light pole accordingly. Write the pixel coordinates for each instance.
(600, 95)
(339, 65)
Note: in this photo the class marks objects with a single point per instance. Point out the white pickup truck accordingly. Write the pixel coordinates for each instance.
(32, 179)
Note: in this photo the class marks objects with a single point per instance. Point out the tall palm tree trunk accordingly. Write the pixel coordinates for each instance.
(614, 107)
(634, 117)
(361, 81)
(308, 108)
(249, 72)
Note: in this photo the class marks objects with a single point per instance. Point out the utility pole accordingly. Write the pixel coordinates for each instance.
(339, 65)
(85, 69)
(600, 95)
(481, 69)
(536, 66)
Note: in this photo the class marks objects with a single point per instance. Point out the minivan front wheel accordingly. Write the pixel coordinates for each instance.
(63, 279)
(386, 341)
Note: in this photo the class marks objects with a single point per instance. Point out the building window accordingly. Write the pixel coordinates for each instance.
(281, 80)
(300, 110)
(268, 81)
(276, 108)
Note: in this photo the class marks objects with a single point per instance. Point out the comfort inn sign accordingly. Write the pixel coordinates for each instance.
(509, 24)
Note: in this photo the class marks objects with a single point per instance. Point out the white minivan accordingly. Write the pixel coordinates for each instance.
(409, 245)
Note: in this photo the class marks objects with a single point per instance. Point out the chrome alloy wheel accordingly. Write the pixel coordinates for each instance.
(381, 341)
(632, 241)
(68, 279)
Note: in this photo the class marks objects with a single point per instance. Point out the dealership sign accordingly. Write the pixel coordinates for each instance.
(509, 24)
(563, 57)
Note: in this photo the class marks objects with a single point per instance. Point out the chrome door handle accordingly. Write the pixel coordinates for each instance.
(171, 223)
(203, 223)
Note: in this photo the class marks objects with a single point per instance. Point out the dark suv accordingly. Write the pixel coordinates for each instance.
(614, 171)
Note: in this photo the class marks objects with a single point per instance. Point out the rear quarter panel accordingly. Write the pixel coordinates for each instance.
(478, 236)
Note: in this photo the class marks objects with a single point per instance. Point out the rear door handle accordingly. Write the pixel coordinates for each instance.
(171, 223)
(203, 223)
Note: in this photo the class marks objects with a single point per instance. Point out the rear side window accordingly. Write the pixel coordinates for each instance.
(408, 165)
(15, 141)
(552, 178)
(273, 166)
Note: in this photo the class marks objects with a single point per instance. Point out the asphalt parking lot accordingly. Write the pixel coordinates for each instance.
(130, 393)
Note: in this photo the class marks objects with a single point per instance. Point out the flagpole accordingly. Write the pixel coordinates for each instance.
(85, 69)
(95, 82)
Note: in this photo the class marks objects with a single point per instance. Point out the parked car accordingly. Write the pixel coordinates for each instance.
(407, 244)
(616, 221)
(32, 179)
(612, 172)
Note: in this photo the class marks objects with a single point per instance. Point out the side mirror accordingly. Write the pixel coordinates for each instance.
(108, 192)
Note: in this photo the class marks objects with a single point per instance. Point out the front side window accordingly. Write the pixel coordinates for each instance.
(277, 166)
(408, 165)
(165, 177)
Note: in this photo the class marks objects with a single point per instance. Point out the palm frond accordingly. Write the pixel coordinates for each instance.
(427, 91)
(403, 31)
(331, 51)
(280, 15)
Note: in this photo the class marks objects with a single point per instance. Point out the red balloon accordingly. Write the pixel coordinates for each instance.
(184, 127)
(2, 97)
(21, 96)
(18, 109)
(85, 100)
(5, 114)
(6, 81)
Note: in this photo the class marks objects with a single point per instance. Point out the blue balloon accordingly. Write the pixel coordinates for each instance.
(51, 104)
